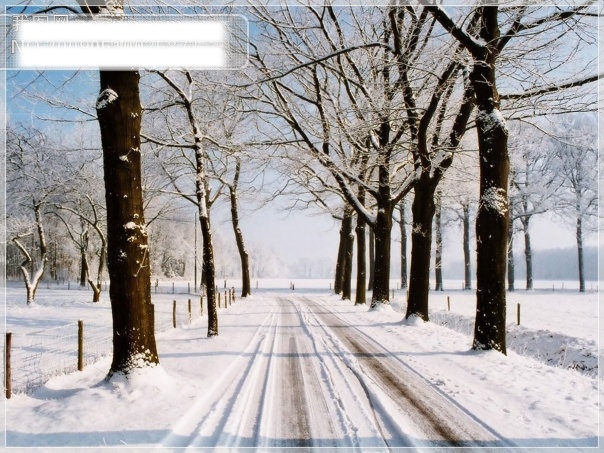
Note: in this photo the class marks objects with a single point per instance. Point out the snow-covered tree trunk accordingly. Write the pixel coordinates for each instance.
(209, 270)
(32, 280)
(528, 251)
(423, 209)
(466, 247)
(381, 283)
(492, 221)
(345, 232)
(347, 274)
(511, 264)
(361, 289)
(119, 115)
(403, 229)
(579, 237)
(246, 289)
(84, 240)
(371, 259)
(438, 254)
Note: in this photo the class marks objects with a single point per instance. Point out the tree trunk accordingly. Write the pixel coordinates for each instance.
(345, 232)
(438, 254)
(511, 266)
(371, 259)
(246, 288)
(32, 280)
(403, 228)
(347, 274)
(361, 290)
(381, 283)
(423, 209)
(84, 241)
(119, 115)
(361, 287)
(466, 247)
(201, 194)
(528, 252)
(492, 221)
(580, 249)
(83, 268)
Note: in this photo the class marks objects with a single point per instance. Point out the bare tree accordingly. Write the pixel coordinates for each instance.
(530, 188)
(181, 85)
(341, 89)
(89, 214)
(574, 167)
(492, 221)
(31, 190)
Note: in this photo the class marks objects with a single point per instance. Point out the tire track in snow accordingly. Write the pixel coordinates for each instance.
(442, 422)
(186, 431)
(294, 427)
(341, 388)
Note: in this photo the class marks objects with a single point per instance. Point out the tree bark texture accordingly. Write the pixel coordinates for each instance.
(361, 290)
(511, 265)
(528, 252)
(246, 288)
(423, 209)
(381, 283)
(579, 234)
(119, 115)
(347, 274)
(371, 259)
(403, 228)
(361, 287)
(492, 221)
(438, 254)
(84, 260)
(345, 232)
(466, 247)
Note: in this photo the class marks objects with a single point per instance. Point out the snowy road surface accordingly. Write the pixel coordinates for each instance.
(295, 370)
(290, 386)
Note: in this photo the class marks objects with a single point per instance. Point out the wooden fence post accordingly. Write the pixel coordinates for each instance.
(201, 304)
(7, 368)
(174, 314)
(189, 311)
(218, 299)
(173, 288)
(80, 345)
(448, 304)
(518, 313)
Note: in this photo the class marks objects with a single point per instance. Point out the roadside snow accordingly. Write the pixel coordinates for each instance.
(236, 390)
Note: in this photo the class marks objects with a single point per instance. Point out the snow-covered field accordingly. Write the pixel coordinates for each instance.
(303, 368)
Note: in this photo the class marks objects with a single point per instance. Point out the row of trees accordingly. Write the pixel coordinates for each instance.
(359, 107)
(372, 115)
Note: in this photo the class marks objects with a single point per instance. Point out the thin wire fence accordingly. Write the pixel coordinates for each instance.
(40, 355)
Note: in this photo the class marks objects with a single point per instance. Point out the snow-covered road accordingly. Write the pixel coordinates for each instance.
(292, 386)
(305, 370)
